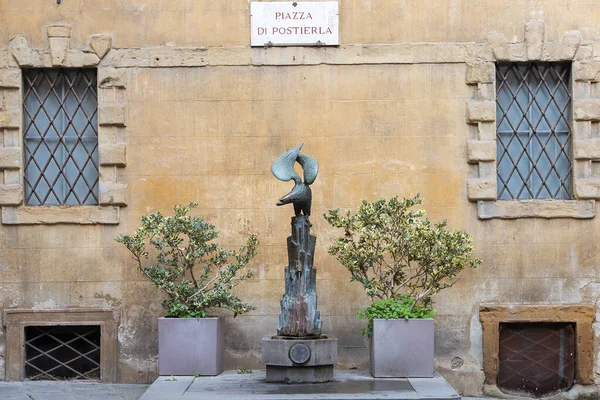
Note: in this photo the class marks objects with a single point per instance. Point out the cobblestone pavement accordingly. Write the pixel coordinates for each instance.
(49, 390)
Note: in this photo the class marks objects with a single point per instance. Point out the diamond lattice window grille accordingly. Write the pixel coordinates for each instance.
(536, 358)
(533, 105)
(62, 352)
(60, 136)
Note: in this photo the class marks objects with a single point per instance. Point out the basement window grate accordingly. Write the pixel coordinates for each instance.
(536, 359)
(62, 352)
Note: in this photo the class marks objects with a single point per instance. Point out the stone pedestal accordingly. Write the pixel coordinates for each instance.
(299, 360)
(299, 353)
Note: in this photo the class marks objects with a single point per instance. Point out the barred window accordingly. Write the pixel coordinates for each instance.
(60, 136)
(533, 104)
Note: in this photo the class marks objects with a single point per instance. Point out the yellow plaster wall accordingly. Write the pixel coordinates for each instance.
(210, 135)
(138, 23)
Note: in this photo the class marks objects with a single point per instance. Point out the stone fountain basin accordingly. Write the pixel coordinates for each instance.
(299, 360)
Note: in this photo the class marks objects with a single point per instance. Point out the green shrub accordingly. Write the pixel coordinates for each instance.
(397, 254)
(401, 307)
(194, 272)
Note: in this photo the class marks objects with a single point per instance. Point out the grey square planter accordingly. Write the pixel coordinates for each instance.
(188, 345)
(402, 348)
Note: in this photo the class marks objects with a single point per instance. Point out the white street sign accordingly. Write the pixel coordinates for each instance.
(294, 23)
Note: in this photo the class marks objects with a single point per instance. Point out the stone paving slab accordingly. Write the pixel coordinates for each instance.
(69, 390)
(350, 385)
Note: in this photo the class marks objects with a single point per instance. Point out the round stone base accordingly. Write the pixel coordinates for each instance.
(323, 373)
(299, 360)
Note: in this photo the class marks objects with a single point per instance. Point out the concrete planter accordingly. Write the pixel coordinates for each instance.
(402, 348)
(187, 346)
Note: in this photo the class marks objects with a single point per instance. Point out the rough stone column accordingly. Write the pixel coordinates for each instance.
(299, 315)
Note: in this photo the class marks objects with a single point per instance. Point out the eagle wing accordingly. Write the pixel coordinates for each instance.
(310, 167)
(283, 166)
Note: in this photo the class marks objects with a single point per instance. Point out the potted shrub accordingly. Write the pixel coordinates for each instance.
(401, 259)
(196, 275)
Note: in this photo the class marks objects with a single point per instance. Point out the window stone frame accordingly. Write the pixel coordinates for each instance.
(15, 321)
(583, 315)
(112, 116)
(481, 113)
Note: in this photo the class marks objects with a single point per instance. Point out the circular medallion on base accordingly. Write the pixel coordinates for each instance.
(299, 353)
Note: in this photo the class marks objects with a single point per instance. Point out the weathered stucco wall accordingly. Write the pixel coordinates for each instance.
(227, 23)
(205, 125)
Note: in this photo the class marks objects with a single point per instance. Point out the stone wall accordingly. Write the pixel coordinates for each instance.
(204, 116)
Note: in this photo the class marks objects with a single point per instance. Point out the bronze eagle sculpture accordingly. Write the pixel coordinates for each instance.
(283, 169)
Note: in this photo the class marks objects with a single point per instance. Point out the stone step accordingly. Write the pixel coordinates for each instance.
(351, 385)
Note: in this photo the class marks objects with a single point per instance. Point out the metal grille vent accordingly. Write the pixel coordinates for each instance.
(536, 358)
(533, 104)
(60, 109)
(62, 352)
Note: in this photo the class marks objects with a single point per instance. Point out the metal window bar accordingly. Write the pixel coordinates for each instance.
(62, 352)
(533, 104)
(60, 136)
(536, 358)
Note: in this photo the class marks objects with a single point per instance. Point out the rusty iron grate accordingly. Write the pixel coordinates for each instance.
(60, 136)
(536, 359)
(62, 352)
(533, 104)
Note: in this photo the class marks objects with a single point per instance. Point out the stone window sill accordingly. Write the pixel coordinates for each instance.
(82, 215)
(548, 209)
